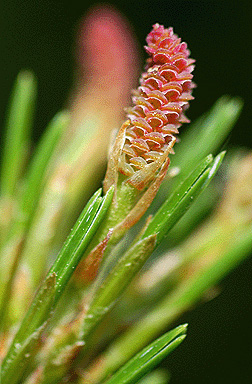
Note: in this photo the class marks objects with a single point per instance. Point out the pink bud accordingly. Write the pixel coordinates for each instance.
(107, 56)
(159, 102)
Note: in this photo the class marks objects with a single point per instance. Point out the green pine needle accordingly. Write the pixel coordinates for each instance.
(183, 196)
(207, 134)
(18, 129)
(149, 357)
(61, 270)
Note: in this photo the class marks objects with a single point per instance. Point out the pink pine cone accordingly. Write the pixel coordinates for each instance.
(159, 102)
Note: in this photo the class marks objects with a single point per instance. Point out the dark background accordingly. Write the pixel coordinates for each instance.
(39, 35)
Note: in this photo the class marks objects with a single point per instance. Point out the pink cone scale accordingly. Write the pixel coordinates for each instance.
(159, 102)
